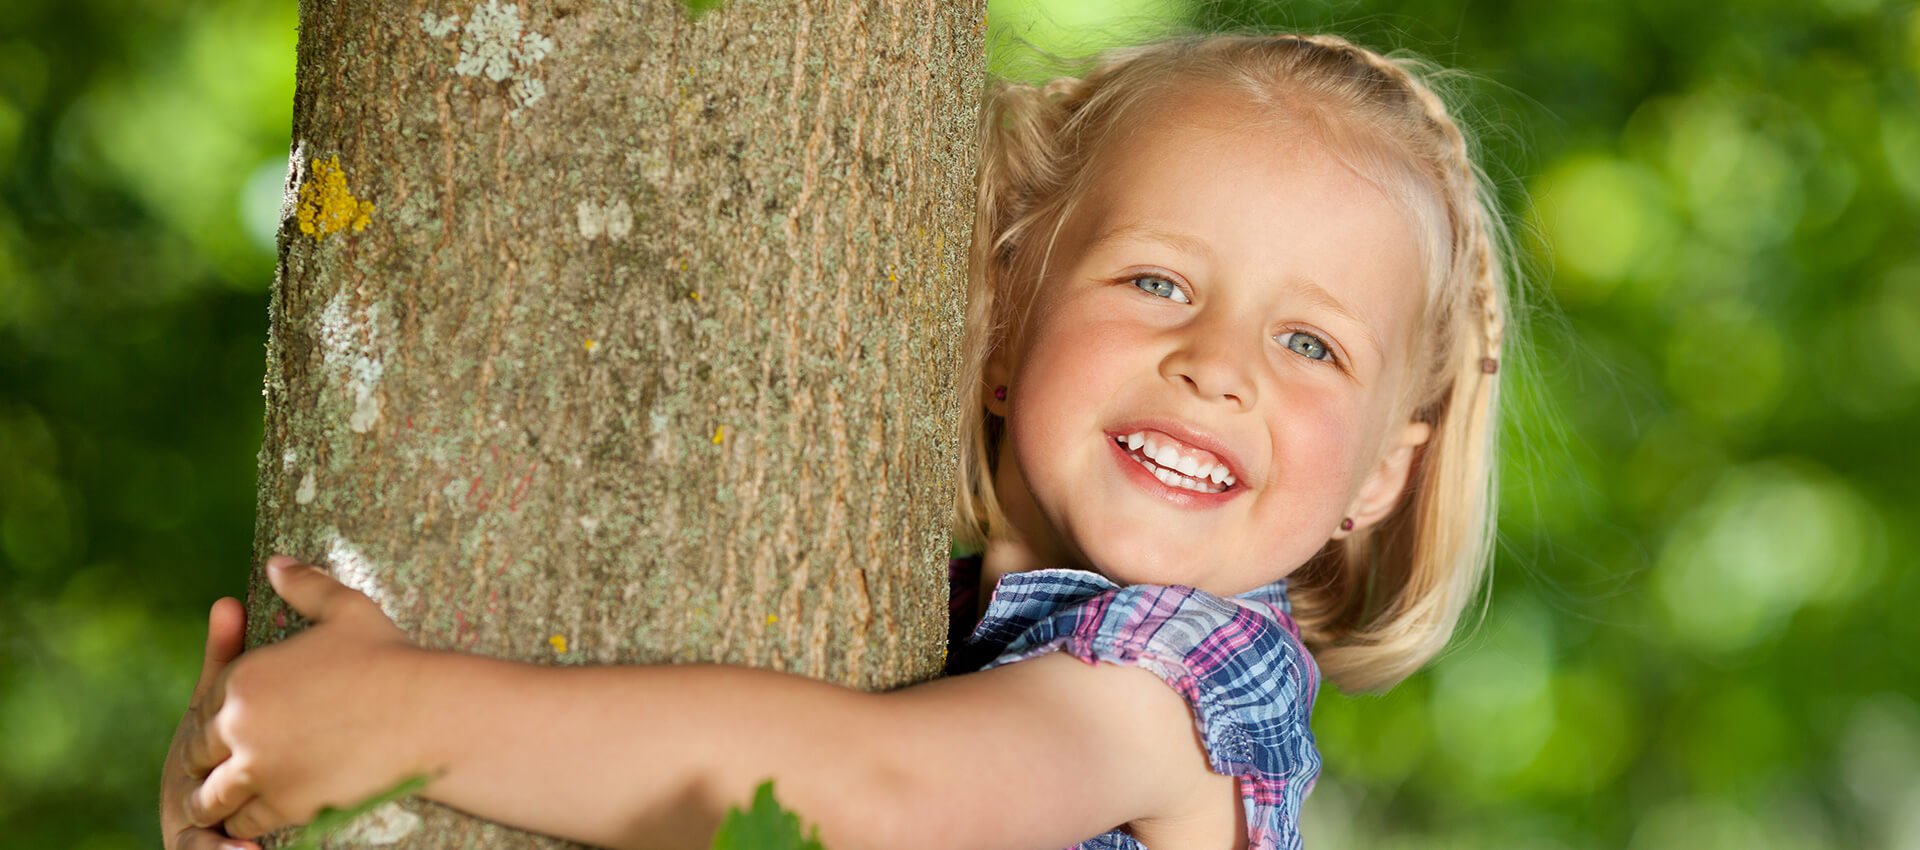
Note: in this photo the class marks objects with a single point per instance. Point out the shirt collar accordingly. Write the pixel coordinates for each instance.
(1274, 594)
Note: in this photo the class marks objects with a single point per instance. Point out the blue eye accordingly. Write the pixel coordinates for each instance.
(1162, 287)
(1306, 345)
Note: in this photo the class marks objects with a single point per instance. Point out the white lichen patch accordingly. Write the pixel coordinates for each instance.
(613, 220)
(353, 344)
(385, 824)
(287, 459)
(296, 175)
(526, 92)
(353, 568)
(304, 495)
(495, 43)
(436, 26)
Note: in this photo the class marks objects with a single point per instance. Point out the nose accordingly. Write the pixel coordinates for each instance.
(1212, 361)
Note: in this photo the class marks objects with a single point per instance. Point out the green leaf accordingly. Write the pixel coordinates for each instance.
(331, 820)
(696, 8)
(764, 827)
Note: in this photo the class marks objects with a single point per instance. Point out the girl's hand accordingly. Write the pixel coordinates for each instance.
(309, 722)
(226, 627)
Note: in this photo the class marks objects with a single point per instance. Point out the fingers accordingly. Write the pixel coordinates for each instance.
(228, 788)
(255, 819)
(197, 748)
(226, 630)
(195, 838)
(205, 748)
(310, 591)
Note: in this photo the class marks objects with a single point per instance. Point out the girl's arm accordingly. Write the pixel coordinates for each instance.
(1036, 754)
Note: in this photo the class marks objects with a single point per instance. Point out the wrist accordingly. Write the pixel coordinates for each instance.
(419, 734)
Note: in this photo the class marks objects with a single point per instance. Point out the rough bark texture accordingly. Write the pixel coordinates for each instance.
(643, 350)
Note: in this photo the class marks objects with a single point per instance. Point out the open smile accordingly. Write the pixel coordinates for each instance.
(1173, 469)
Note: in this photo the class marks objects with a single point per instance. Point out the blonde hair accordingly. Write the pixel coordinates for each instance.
(1378, 604)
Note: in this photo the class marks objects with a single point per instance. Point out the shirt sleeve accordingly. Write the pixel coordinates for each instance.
(1239, 665)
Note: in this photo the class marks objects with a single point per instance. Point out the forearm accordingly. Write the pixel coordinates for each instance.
(628, 756)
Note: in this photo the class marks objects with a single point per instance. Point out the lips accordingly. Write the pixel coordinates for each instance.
(1180, 463)
(1163, 451)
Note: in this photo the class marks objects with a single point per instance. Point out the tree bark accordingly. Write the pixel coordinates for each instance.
(604, 333)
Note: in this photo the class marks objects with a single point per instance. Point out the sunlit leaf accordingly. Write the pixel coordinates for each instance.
(331, 821)
(764, 826)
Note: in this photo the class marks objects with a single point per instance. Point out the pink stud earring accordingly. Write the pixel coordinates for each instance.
(1000, 393)
(1346, 523)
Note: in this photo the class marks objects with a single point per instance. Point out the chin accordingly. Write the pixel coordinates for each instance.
(1143, 562)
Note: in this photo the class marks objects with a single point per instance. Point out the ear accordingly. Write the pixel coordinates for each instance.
(1381, 492)
(996, 374)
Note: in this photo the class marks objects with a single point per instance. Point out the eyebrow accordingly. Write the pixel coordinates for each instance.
(1177, 241)
(1314, 292)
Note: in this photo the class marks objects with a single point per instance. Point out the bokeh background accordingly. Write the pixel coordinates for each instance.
(1701, 631)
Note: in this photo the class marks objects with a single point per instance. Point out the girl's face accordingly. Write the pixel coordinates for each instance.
(1206, 383)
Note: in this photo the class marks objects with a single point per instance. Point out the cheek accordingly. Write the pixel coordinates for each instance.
(1058, 390)
(1044, 399)
(1319, 447)
(1068, 363)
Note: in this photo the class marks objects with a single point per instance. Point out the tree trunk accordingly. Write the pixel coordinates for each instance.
(604, 333)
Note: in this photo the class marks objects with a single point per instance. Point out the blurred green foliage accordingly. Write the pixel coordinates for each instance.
(134, 263)
(1699, 633)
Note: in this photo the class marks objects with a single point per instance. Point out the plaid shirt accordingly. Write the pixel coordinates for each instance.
(1237, 661)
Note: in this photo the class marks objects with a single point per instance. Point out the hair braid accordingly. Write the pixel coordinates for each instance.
(1462, 184)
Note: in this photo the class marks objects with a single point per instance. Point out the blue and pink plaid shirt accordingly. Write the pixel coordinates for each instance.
(1237, 661)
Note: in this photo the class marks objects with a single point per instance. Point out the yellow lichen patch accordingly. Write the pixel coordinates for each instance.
(325, 204)
(559, 643)
(773, 618)
(719, 434)
(588, 345)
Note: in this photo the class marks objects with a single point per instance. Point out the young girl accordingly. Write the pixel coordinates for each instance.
(1233, 347)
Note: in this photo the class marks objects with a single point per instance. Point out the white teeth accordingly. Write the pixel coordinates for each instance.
(1168, 456)
(1175, 469)
(1176, 480)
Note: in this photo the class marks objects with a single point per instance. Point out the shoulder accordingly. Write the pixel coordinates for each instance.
(1229, 694)
(1237, 662)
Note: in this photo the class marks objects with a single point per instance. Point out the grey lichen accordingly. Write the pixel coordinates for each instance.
(437, 26)
(356, 347)
(613, 219)
(387, 824)
(296, 174)
(495, 44)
